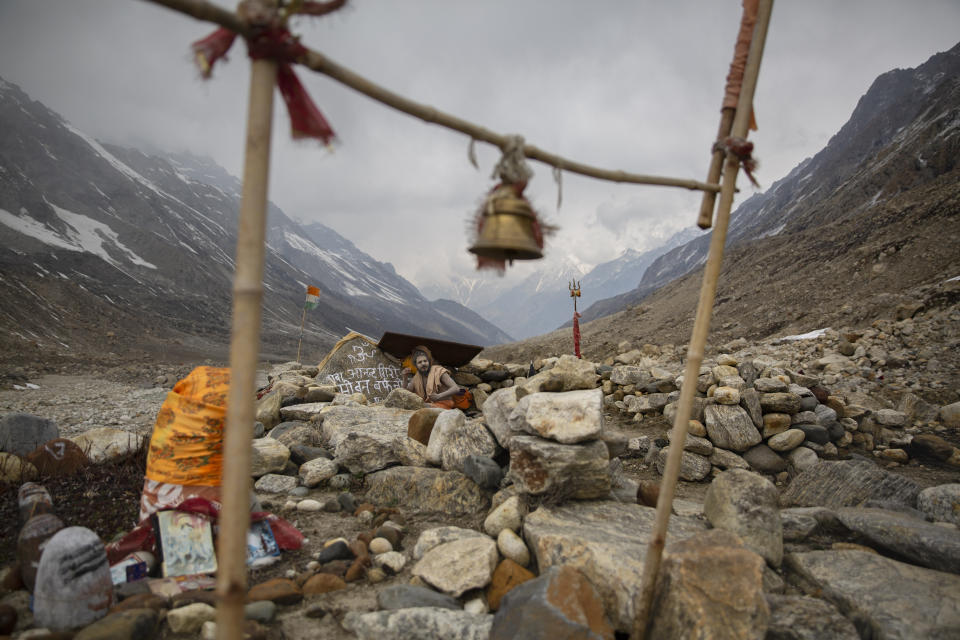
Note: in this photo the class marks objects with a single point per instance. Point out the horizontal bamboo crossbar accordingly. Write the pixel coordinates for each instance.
(322, 64)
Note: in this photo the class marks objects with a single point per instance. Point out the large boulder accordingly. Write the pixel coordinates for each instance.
(106, 443)
(913, 602)
(21, 433)
(471, 439)
(546, 468)
(848, 483)
(364, 439)
(560, 603)
(426, 623)
(423, 491)
(710, 586)
(805, 618)
(730, 427)
(447, 422)
(496, 413)
(357, 365)
(569, 374)
(568, 418)
(941, 503)
(606, 542)
(459, 566)
(267, 456)
(745, 504)
(917, 541)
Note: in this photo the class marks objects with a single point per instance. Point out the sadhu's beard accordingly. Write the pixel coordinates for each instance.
(425, 369)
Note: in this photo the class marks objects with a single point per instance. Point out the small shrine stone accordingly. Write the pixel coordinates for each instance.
(73, 587)
(58, 457)
(33, 538)
(32, 500)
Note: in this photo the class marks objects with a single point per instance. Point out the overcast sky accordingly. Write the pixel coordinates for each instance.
(632, 85)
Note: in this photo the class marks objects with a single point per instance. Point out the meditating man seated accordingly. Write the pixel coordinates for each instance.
(433, 383)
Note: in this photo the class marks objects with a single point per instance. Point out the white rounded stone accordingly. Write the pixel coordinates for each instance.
(786, 441)
(380, 545)
(512, 546)
(309, 505)
(506, 516)
(726, 395)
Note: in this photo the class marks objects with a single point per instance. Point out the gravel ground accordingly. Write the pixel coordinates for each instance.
(79, 403)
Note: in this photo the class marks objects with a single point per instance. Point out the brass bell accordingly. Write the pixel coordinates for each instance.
(506, 229)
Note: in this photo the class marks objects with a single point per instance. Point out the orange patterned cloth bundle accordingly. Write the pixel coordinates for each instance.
(187, 443)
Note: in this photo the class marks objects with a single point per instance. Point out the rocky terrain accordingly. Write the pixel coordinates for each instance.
(820, 475)
(814, 469)
(845, 233)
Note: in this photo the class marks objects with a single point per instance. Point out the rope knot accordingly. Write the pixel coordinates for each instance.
(512, 167)
(270, 39)
(742, 150)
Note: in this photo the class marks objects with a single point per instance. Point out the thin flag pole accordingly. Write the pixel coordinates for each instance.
(300, 341)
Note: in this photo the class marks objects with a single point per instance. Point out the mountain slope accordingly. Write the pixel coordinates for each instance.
(105, 249)
(868, 224)
(902, 133)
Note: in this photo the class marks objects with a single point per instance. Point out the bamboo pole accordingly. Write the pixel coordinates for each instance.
(244, 349)
(701, 328)
(716, 167)
(322, 64)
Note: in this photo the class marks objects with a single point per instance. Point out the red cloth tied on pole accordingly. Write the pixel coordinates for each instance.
(273, 43)
(576, 334)
(210, 49)
(306, 121)
(741, 51)
(743, 150)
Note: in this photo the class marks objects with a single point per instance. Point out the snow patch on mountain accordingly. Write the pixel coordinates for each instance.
(84, 234)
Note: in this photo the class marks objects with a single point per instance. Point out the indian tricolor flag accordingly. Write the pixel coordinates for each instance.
(313, 298)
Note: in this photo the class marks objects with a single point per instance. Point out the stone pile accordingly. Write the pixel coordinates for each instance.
(538, 536)
(758, 413)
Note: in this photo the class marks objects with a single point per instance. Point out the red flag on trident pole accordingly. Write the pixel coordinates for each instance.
(576, 334)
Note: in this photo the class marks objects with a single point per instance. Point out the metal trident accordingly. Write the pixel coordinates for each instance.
(574, 287)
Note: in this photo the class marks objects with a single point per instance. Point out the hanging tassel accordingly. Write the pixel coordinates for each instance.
(558, 178)
(306, 121)
(275, 43)
(209, 50)
(472, 153)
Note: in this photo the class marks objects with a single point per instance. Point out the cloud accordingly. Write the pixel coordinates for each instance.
(621, 85)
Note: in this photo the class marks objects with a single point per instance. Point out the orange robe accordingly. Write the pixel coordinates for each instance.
(434, 385)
